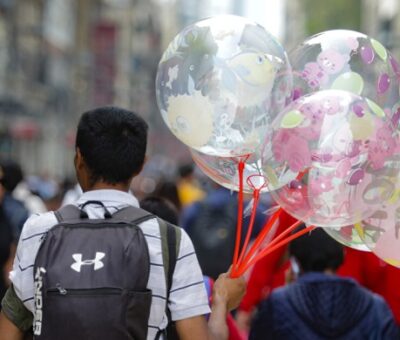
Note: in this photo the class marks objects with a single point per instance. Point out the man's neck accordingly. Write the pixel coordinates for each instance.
(107, 186)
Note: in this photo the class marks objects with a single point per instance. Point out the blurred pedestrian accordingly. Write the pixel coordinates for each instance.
(168, 189)
(14, 210)
(161, 207)
(7, 246)
(319, 304)
(211, 224)
(189, 189)
(15, 183)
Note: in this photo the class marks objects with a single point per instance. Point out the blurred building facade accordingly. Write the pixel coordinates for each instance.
(381, 19)
(59, 58)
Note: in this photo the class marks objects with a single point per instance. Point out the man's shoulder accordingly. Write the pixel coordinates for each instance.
(38, 223)
(150, 227)
(380, 304)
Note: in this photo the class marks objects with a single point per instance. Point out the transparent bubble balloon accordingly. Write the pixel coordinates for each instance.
(350, 61)
(381, 230)
(225, 171)
(337, 144)
(348, 236)
(220, 83)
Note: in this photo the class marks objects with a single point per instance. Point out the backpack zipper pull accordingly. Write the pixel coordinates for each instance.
(62, 290)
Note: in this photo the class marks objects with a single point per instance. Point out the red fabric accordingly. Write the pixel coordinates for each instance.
(391, 290)
(376, 275)
(364, 267)
(234, 333)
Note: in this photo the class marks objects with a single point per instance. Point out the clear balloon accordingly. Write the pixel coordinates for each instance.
(348, 236)
(337, 145)
(350, 61)
(220, 83)
(224, 171)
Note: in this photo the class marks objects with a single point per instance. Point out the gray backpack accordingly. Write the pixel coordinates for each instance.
(91, 275)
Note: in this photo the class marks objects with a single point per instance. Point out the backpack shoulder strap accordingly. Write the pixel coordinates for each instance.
(67, 212)
(170, 242)
(133, 214)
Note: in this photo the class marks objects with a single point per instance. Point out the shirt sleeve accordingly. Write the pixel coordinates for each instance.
(188, 296)
(15, 311)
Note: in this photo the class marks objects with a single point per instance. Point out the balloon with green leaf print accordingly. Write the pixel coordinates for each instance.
(351, 61)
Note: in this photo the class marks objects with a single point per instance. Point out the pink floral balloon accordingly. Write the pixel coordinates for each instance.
(347, 60)
(337, 144)
(381, 230)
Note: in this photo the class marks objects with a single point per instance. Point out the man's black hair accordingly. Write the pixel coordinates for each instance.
(113, 143)
(317, 251)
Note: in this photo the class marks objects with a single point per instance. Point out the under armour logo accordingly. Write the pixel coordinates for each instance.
(94, 262)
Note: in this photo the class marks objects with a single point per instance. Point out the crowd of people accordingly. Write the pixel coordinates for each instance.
(314, 288)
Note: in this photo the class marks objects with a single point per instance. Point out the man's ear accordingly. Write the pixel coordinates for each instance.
(78, 159)
(81, 170)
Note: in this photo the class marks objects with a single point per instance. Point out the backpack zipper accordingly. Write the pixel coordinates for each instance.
(58, 290)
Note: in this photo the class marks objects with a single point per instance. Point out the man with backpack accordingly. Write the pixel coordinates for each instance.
(103, 268)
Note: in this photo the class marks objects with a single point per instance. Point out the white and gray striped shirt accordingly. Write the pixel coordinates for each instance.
(188, 296)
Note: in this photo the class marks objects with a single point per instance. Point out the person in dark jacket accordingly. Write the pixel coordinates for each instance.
(14, 210)
(13, 215)
(6, 246)
(319, 304)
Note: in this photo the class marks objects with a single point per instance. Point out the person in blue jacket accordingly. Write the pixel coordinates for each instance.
(319, 304)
